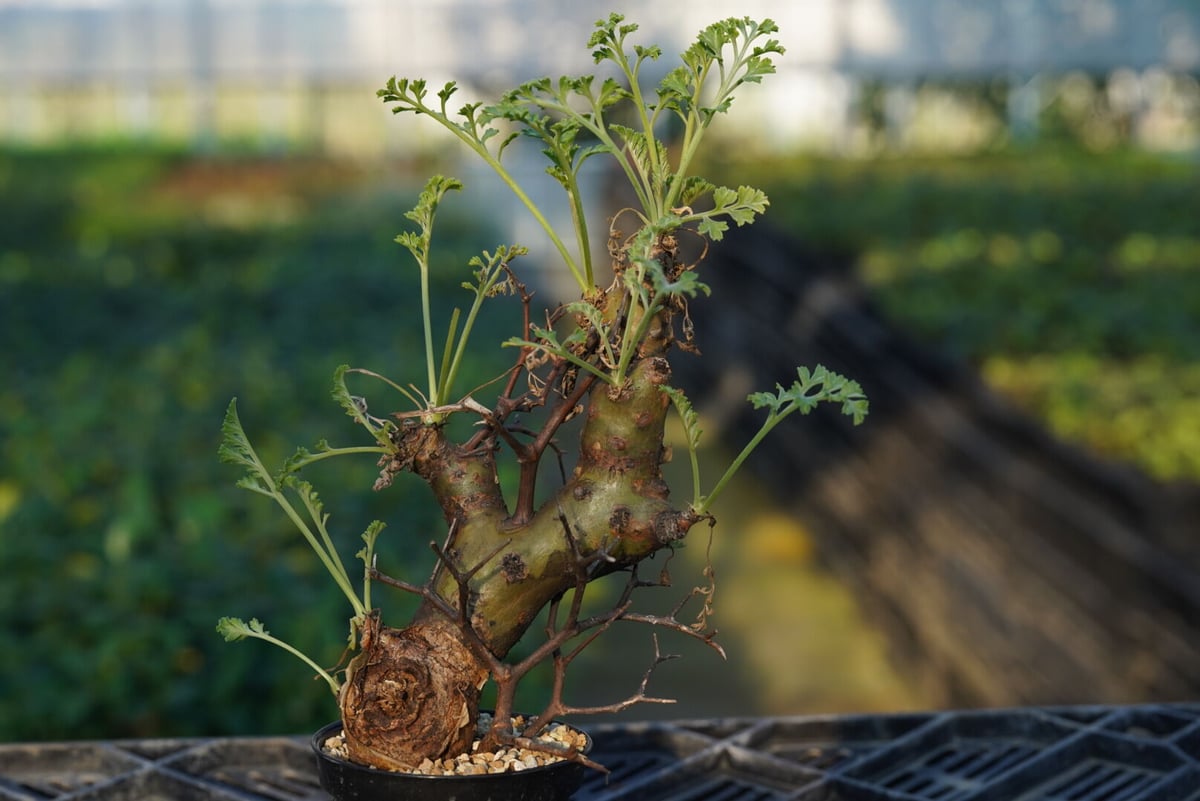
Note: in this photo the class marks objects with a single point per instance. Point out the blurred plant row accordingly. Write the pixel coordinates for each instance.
(138, 293)
(1071, 280)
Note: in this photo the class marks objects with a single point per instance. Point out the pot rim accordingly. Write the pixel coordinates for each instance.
(329, 729)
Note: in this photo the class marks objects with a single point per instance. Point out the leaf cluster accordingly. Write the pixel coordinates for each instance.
(811, 388)
(490, 273)
(574, 118)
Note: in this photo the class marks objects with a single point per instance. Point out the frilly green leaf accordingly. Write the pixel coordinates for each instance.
(234, 628)
(235, 446)
(811, 388)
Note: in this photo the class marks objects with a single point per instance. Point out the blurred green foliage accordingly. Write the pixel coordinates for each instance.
(1071, 279)
(139, 292)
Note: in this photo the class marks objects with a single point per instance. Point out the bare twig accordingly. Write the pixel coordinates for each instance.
(572, 628)
(463, 579)
(638, 697)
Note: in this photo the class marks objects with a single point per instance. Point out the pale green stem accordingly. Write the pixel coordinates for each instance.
(598, 129)
(644, 323)
(654, 211)
(473, 142)
(368, 559)
(426, 314)
(691, 141)
(468, 326)
(694, 456)
(579, 220)
(445, 379)
(416, 403)
(319, 521)
(334, 685)
(565, 354)
(316, 457)
(335, 568)
(584, 281)
(629, 342)
(773, 419)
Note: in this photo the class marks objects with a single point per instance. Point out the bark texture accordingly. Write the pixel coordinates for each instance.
(615, 501)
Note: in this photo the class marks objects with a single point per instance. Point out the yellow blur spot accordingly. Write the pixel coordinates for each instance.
(10, 497)
(778, 539)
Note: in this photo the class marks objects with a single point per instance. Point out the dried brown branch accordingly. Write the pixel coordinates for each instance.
(529, 460)
(374, 574)
(463, 578)
(706, 637)
(562, 709)
(591, 628)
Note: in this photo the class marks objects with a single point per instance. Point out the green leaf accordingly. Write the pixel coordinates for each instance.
(754, 199)
(234, 628)
(546, 341)
(412, 241)
(741, 205)
(254, 484)
(297, 461)
(654, 52)
(236, 449)
(311, 500)
(686, 283)
(694, 188)
(341, 394)
(423, 213)
(687, 414)
(369, 537)
(445, 93)
(724, 197)
(590, 312)
(678, 82)
(611, 93)
(811, 388)
(708, 112)
(590, 151)
(713, 229)
(639, 147)
(741, 215)
(713, 38)
(235, 446)
(757, 67)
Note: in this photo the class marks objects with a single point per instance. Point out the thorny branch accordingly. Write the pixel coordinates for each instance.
(463, 578)
(572, 627)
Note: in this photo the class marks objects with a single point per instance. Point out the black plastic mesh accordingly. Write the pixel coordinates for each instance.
(1138, 753)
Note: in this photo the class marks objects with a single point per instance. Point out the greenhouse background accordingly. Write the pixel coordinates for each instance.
(282, 73)
(199, 200)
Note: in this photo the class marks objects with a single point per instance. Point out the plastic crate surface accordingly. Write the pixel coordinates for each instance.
(1134, 753)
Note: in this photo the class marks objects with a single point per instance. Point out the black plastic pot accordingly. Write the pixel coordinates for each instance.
(347, 781)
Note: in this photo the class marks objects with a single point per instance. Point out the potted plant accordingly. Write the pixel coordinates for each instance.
(410, 696)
